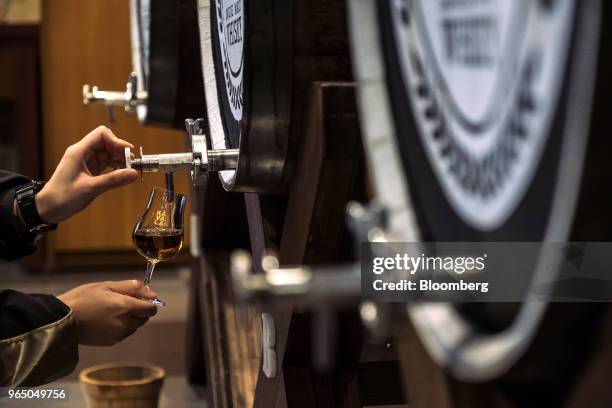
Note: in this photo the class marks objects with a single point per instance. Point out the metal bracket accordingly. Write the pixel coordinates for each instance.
(199, 148)
(268, 329)
(368, 224)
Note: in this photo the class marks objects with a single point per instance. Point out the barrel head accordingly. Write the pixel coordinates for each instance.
(480, 112)
(259, 59)
(248, 86)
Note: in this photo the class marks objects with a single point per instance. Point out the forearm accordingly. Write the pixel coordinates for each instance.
(38, 339)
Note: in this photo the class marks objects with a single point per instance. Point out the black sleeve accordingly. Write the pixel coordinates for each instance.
(14, 243)
(38, 339)
(21, 313)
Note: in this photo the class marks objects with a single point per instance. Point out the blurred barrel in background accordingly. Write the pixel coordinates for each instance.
(485, 121)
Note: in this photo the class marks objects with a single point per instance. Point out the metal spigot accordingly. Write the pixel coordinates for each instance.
(299, 284)
(130, 99)
(340, 283)
(200, 161)
(322, 290)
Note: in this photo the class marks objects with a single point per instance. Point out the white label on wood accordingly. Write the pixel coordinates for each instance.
(230, 26)
(484, 79)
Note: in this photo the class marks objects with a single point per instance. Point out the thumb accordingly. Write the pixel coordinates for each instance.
(133, 288)
(113, 179)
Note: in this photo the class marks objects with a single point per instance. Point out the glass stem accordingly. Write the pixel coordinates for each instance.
(149, 273)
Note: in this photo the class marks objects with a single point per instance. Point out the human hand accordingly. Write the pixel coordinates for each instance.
(79, 179)
(108, 312)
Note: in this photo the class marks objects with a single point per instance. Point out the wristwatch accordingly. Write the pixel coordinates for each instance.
(25, 197)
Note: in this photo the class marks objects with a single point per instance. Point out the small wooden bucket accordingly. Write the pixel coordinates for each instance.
(119, 385)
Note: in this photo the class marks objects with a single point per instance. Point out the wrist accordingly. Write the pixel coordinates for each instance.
(44, 206)
(65, 299)
(25, 196)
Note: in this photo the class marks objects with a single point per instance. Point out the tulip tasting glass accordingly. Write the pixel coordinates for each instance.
(158, 234)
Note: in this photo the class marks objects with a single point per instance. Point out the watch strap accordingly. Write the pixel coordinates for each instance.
(26, 200)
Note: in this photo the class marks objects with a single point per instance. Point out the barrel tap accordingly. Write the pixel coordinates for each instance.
(199, 161)
(129, 100)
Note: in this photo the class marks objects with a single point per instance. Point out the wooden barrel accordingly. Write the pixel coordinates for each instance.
(486, 121)
(166, 60)
(258, 59)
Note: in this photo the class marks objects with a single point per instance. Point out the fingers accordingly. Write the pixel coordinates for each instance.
(99, 160)
(140, 308)
(131, 323)
(127, 333)
(132, 287)
(114, 179)
(102, 157)
(103, 139)
(132, 303)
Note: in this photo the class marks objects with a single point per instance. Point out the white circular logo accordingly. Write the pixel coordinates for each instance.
(230, 25)
(484, 79)
(145, 34)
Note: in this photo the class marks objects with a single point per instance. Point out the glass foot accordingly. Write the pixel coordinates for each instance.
(157, 302)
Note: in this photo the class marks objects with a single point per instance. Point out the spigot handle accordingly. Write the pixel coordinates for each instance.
(128, 158)
(129, 161)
